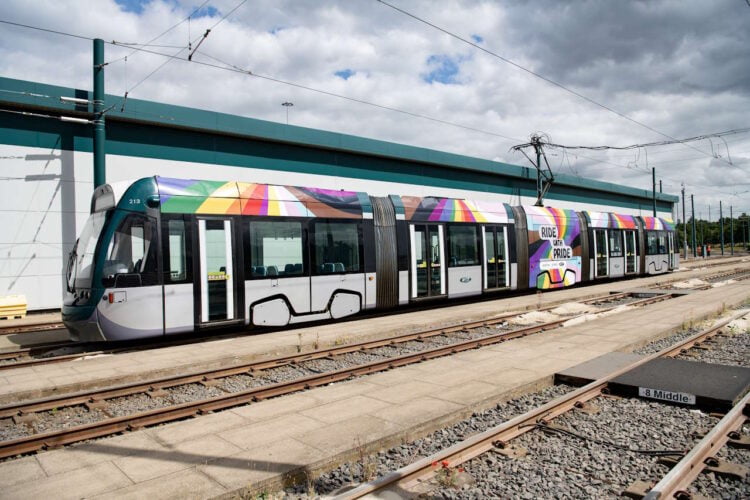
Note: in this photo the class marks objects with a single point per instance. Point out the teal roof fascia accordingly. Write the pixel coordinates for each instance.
(40, 95)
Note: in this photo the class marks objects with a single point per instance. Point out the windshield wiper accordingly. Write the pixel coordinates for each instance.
(71, 262)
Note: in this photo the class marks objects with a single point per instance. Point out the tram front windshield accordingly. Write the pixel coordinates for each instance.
(81, 264)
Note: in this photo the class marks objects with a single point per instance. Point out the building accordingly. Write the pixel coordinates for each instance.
(46, 183)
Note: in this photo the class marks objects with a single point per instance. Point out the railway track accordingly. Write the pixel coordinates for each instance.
(58, 352)
(675, 484)
(413, 477)
(36, 327)
(99, 400)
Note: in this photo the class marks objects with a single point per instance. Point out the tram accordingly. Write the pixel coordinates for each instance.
(163, 256)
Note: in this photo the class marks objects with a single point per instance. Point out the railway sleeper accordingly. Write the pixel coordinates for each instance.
(510, 451)
(24, 418)
(716, 465)
(736, 439)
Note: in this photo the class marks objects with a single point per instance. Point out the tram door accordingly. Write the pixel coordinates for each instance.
(495, 253)
(427, 261)
(631, 252)
(670, 247)
(601, 253)
(216, 276)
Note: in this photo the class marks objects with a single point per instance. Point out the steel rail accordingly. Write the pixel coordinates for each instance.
(35, 327)
(38, 349)
(677, 480)
(105, 427)
(108, 426)
(150, 386)
(499, 435)
(28, 352)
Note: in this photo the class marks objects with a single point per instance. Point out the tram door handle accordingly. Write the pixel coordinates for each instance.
(274, 282)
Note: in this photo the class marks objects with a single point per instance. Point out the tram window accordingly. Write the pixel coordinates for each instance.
(652, 244)
(132, 251)
(176, 253)
(615, 243)
(462, 245)
(337, 247)
(662, 242)
(275, 249)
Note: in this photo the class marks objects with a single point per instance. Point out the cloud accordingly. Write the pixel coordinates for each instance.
(680, 67)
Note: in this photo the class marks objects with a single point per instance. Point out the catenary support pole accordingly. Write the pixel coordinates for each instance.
(684, 223)
(721, 227)
(538, 149)
(653, 184)
(731, 229)
(692, 210)
(99, 134)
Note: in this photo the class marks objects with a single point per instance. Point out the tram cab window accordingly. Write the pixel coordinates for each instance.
(652, 243)
(662, 242)
(462, 246)
(615, 243)
(275, 249)
(131, 256)
(337, 247)
(177, 252)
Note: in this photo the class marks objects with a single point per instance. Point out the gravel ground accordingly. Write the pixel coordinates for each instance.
(731, 348)
(714, 486)
(386, 461)
(662, 344)
(580, 468)
(9, 430)
(616, 302)
(135, 403)
(49, 421)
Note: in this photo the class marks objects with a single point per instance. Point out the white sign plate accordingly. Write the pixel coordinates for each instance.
(674, 397)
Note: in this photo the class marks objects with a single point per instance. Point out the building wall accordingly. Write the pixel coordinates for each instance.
(46, 176)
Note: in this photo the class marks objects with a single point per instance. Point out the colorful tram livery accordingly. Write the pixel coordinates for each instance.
(163, 256)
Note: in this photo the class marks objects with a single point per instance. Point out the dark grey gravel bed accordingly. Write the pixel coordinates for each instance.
(563, 466)
(662, 344)
(714, 486)
(730, 348)
(386, 461)
(128, 405)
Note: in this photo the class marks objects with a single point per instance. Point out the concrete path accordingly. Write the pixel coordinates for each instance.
(106, 370)
(256, 447)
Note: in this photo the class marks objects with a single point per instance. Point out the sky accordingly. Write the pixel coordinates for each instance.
(675, 68)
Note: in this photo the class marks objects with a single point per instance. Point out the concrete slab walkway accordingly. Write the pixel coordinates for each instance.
(106, 370)
(258, 446)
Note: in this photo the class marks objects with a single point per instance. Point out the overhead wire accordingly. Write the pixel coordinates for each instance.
(56, 32)
(176, 54)
(233, 68)
(230, 67)
(653, 144)
(534, 73)
(149, 43)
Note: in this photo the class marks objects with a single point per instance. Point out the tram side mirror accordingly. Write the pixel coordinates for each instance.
(127, 280)
(153, 201)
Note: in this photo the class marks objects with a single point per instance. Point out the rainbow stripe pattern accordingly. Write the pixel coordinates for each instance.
(554, 247)
(608, 220)
(433, 209)
(243, 198)
(657, 223)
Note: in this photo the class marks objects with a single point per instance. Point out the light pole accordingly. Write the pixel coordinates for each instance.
(287, 105)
